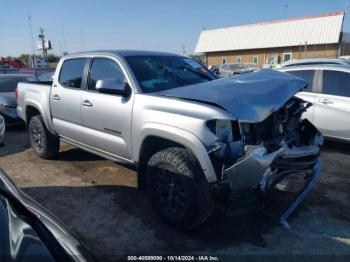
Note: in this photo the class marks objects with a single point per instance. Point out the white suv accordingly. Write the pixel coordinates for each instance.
(329, 91)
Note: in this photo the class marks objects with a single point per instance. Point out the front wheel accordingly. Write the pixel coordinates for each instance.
(178, 189)
(44, 144)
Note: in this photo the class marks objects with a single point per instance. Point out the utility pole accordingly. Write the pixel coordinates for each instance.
(346, 8)
(31, 38)
(42, 38)
(184, 50)
(305, 50)
(285, 11)
(31, 33)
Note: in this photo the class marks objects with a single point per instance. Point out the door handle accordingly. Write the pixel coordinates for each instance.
(56, 97)
(86, 103)
(326, 101)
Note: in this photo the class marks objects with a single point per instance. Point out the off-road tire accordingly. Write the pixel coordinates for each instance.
(44, 144)
(178, 189)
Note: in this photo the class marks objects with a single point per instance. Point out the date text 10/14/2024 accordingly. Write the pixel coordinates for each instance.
(173, 258)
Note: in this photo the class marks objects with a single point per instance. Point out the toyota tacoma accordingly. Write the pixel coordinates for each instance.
(190, 135)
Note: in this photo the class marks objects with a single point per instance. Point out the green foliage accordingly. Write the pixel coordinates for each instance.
(25, 57)
(52, 58)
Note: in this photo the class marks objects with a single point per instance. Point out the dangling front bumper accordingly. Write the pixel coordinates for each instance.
(312, 177)
(261, 169)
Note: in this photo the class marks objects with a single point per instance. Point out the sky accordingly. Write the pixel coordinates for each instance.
(162, 25)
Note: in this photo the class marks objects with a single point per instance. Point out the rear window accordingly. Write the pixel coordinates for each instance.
(72, 72)
(9, 84)
(307, 75)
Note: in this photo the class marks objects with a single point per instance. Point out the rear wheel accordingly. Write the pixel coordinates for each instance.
(44, 144)
(178, 189)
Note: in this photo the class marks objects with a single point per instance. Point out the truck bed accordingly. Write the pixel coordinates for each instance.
(37, 95)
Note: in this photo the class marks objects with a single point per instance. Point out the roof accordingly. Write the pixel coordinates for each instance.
(316, 61)
(314, 67)
(321, 29)
(124, 53)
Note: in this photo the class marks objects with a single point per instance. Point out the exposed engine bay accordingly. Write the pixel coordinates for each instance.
(282, 129)
(281, 126)
(260, 155)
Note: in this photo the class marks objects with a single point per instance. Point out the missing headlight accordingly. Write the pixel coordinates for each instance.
(226, 130)
(229, 146)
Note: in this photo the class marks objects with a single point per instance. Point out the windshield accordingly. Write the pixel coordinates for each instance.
(158, 73)
(9, 84)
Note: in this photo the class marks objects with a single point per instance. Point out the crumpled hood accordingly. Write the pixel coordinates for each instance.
(249, 97)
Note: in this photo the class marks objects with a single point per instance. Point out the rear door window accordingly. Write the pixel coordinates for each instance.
(307, 75)
(336, 83)
(72, 72)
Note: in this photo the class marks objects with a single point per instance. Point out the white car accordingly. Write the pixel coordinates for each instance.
(329, 92)
(228, 70)
(2, 130)
(316, 61)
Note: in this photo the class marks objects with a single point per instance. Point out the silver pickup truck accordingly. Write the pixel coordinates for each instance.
(192, 137)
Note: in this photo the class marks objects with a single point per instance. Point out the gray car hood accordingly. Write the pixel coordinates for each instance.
(249, 98)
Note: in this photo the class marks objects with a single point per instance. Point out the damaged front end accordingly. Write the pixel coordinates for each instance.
(261, 155)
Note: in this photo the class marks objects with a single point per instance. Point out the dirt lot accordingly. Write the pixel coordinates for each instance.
(99, 202)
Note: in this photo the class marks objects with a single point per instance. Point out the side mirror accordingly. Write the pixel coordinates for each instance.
(113, 86)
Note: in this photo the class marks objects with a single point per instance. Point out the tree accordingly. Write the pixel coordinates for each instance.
(52, 58)
(24, 58)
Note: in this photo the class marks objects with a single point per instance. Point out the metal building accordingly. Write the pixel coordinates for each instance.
(276, 41)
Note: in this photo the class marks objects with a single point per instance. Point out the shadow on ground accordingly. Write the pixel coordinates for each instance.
(117, 220)
(76, 154)
(336, 147)
(16, 140)
(97, 214)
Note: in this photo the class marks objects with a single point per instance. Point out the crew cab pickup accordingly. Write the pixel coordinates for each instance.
(190, 135)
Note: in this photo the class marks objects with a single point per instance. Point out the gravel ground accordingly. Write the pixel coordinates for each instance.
(99, 202)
